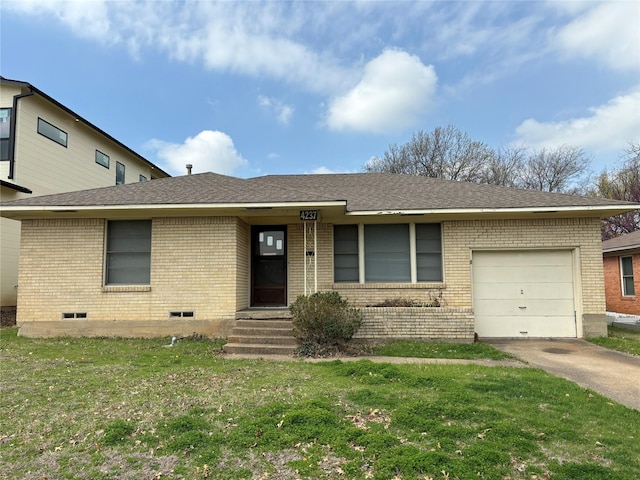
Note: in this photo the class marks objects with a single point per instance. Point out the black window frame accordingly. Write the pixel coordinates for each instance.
(102, 155)
(143, 178)
(120, 167)
(44, 133)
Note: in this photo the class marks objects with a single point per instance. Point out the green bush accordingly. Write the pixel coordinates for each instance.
(324, 321)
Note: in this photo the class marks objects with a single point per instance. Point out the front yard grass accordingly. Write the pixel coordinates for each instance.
(412, 349)
(620, 339)
(135, 409)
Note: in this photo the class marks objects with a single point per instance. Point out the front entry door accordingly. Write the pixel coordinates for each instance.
(268, 266)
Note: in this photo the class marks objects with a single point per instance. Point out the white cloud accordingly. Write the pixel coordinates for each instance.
(280, 110)
(607, 32)
(395, 90)
(208, 151)
(609, 127)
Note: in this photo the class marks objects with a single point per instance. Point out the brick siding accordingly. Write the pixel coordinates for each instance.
(201, 264)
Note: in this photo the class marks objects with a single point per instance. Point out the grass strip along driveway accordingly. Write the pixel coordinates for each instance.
(135, 409)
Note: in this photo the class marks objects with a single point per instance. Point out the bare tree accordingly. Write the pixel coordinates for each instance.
(562, 169)
(504, 167)
(622, 183)
(446, 152)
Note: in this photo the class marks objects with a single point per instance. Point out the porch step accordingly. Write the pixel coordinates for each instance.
(273, 336)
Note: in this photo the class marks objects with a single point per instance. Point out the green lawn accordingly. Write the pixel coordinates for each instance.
(620, 339)
(439, 350)
(135, 409)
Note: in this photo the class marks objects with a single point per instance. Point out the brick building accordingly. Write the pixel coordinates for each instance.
(621, 258)
(192, 254)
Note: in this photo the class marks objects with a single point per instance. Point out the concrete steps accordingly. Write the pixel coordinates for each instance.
(263, 333)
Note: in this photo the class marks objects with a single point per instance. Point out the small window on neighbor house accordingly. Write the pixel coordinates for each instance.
(119, 173)
(52, 132)
(102, 159)
(143, 178)
(626, 267)
(5, 132)
(128, 252)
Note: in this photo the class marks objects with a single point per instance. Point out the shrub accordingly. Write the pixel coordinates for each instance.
(323, 321)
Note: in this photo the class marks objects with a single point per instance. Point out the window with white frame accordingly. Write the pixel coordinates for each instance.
(397, 253)
(626, 268)
(128, 256)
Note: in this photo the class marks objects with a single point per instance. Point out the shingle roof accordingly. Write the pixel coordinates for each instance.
(624, 242)
(361, 192)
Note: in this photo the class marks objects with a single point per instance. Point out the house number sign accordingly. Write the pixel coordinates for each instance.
(308, 215)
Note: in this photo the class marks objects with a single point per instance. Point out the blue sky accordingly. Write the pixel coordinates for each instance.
(252, 88)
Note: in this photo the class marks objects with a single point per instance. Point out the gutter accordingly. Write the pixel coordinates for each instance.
(12, 129)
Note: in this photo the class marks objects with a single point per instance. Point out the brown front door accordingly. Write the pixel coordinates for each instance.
(269, 266)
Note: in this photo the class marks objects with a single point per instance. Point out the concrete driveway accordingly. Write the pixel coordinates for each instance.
(613, 374)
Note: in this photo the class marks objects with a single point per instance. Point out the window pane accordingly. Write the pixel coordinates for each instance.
(128, 252)
(428, 252)
(386, 253)
(52, 132)
(102, 159)
(627, 284)
(345, 253)
(119, 173)
(627, 265)
(5, 122)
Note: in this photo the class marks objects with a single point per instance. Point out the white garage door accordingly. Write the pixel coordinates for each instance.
(523, 294)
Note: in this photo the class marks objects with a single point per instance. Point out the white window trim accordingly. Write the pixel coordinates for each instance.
(413, 258)
(622, 277)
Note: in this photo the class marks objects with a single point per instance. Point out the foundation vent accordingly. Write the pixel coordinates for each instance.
(66, 315)
(182, 314)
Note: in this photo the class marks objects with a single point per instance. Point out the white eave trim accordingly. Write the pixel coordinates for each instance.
(458, 211)
(171, 206)
(622, 249)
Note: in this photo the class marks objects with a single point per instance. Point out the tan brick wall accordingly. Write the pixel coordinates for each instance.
(296, 257)
(243, 255)
(461, 238)
(448, 324)
(616, 302)
(201, 264)
(193, 269)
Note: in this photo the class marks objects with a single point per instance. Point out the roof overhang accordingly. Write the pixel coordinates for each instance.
(602, 211)
(335, 211)
(243, 210)
(15, 187)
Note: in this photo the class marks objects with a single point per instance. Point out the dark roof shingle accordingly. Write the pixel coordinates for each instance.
(361, 192)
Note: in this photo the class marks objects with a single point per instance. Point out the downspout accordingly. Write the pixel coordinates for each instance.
(12, 131)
